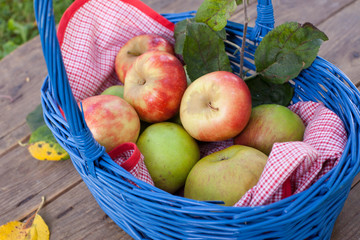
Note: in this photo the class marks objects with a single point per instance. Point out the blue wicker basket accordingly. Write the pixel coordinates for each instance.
(146, 212)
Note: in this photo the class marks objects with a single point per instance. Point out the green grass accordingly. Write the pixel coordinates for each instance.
(17, 22)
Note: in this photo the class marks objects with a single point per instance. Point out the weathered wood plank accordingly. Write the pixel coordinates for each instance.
(76, 215)
(23, 180)
(343, 47)
(347, 224)
(300, 11)
(22, 73)
(171, 6)
(11, 140)
(356, 180)
(71, 212)
(307, 11)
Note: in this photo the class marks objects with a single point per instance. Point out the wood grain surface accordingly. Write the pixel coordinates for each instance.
(70, 210)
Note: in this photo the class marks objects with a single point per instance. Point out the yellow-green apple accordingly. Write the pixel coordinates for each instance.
(111, 120)
(137, 46)
(216, 106)
(225, 175)
(155, 85)
(116, 90)
(169, 154)
(270, 123)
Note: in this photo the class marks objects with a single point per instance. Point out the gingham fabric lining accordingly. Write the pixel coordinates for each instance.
(300, 164)
(91, 34)
(128, 156)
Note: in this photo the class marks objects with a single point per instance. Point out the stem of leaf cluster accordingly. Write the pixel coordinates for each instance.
(242, 53)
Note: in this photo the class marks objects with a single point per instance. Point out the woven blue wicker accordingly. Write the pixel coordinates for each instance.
(146, 212)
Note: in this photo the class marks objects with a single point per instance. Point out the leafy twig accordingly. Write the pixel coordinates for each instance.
(242, 53)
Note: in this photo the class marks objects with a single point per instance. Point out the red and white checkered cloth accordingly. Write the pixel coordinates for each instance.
(91, 32)
(128, 156)
(293, 167)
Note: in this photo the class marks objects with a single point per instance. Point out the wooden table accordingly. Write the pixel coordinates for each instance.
(70, 210)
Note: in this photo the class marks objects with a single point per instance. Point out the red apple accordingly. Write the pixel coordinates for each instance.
(216, 106)
(270, 123)
(137, 46)
(111, 120)
(154, 86)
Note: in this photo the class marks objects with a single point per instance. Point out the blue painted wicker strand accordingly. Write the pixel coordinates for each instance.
(146, 212)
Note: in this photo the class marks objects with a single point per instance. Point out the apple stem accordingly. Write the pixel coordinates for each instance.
(242, 53)
(212, 107)
(141, 81)
(133, 53)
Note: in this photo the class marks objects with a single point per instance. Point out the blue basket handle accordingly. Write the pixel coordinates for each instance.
(264, 22)
(89, 149)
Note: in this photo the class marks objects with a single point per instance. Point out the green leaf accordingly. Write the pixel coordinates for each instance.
(215, 13)
(286, 50)
(188, 80)
(43, 145)
(204, 51)
(264, 92)
(222, 34)
(180, 34)
(42, 133)
(35, 119)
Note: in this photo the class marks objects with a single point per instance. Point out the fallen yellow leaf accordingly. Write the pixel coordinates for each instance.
(34, 228)
(43, 145)
(13, 231)
(39, 230)
(50, 151)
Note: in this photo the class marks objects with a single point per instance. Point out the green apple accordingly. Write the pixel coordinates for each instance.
(270, 123)
(116, 90)
(169, 154)
(225, 175)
